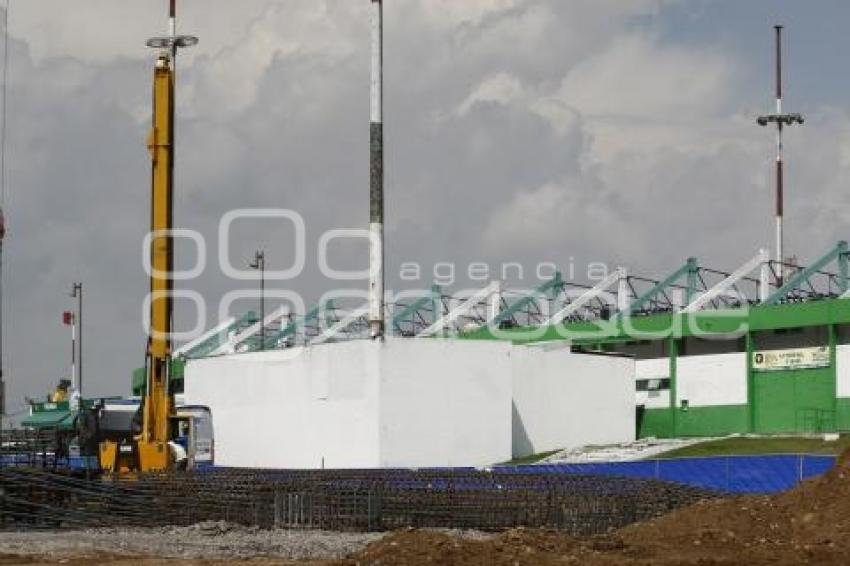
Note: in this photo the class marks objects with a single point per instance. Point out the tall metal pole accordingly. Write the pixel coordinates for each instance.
(77, 332)
(2, 381)
(259, 263)
(3, 202)
(77, 292)
(80, 341)
(779, 196)
(74, 354)
(263, 302)
(781, 120)
(376, 183)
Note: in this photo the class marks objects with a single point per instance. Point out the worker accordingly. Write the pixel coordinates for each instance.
(60, 394)
(178, 455)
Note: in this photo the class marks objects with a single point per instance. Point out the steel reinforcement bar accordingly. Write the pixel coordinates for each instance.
(362, 500)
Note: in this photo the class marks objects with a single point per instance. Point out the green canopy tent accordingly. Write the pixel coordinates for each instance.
(62, 419)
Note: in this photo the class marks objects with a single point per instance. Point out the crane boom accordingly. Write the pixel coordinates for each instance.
(158, 406)
(150, 449)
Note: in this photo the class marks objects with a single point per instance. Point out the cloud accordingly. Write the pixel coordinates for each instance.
(320, 32)
(516, 131)
(636, 77)
(500, 88)
(449, 14)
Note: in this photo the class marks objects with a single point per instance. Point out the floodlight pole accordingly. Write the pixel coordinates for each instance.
(259, 264)
(2, 380)
(172, 18)
(77, 293)
(73, 326)
(376, 175)
(779, 193)
(780, 120)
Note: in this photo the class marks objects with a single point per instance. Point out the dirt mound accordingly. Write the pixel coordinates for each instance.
(807, 525)
(430, 547)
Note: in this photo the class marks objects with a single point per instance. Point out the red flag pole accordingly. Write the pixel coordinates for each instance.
(73, 352)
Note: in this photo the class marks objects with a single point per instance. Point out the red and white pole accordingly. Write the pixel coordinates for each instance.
(376, 183)
(780, 259)
(74, 386)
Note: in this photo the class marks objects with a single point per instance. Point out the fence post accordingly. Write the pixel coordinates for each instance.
(800, 468)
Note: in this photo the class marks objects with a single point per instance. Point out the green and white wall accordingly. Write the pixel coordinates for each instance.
(722, 393)
(710, 395)
(708, 360)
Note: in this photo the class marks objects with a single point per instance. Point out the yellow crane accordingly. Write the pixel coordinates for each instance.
(150, 449)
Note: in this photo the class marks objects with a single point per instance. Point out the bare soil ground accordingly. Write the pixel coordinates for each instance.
(808, 525)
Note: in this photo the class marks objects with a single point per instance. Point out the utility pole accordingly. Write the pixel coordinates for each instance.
(2, 381)
(70, 319)
(3, 202)
(781, 120)
(376, 178)
(260, 264)
(77, 293)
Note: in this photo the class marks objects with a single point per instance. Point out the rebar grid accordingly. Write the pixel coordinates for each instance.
(342, 500)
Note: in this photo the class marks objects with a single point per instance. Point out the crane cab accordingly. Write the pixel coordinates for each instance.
(193, 446)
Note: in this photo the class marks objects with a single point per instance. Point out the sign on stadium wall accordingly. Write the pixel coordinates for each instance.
(795, 358)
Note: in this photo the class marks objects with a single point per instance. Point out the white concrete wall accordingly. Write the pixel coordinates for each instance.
(445, 403)
(295, 408)
(718, 379)
(410, 403)
(402, 403)
(842, 370)
(565, 400)
(658, 368)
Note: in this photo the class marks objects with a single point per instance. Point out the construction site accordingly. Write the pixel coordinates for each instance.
(699, 416)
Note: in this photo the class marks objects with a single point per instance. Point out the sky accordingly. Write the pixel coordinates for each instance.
(517, 131)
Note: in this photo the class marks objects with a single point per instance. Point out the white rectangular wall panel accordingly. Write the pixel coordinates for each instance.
(719, 379)
(842, 370)
(359, 404)
(297, 408)
(565, 400)
(445, 403)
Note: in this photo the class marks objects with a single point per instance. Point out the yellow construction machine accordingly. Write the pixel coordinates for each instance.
(152, 446)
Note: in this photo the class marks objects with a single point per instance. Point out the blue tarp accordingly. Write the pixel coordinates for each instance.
(50, 461)
(732, 474)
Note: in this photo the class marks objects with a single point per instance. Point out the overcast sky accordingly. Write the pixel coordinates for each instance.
(518, 131)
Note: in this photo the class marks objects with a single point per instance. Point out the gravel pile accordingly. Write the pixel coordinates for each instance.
(216, 539)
